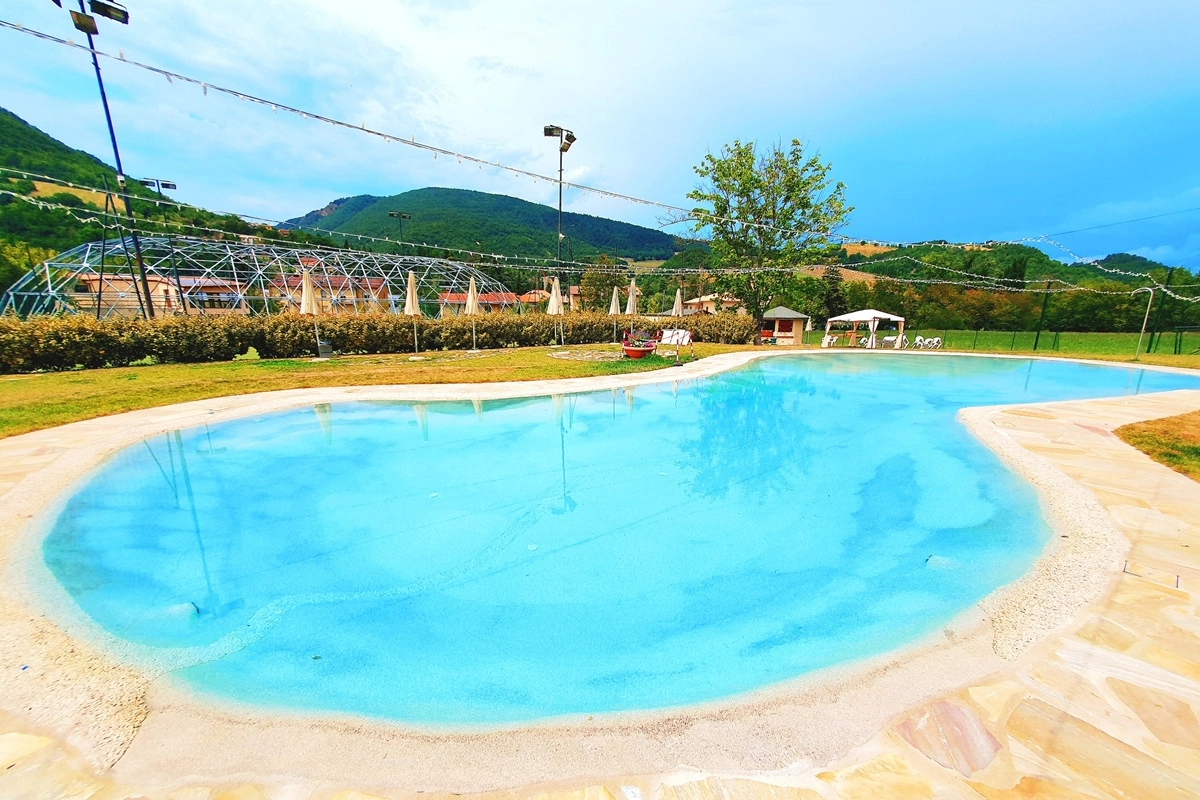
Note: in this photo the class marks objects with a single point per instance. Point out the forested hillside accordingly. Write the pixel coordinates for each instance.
(493, 223)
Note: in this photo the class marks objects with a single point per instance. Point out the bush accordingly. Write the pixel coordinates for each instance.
(66, 342)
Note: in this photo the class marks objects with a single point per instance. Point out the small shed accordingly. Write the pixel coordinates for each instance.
(783, 325)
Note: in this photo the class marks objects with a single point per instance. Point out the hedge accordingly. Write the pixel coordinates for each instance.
(73, 341)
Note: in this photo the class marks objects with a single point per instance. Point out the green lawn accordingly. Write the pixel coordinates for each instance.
(1174, 441)
(1121, 345)
(31, 402)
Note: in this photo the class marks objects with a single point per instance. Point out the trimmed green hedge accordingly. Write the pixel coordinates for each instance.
(68, 342)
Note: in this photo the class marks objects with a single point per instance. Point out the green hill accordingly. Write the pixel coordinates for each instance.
(492, 223)
(29, 234)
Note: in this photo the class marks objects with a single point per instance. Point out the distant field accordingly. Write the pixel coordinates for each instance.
(644, 266)
(46, 189)
(866, 250)
(847, 274)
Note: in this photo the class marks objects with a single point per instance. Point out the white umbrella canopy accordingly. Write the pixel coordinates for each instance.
(555, 305)
(308, 297)
(631, 303)
(411, 307)
(677, 309)
(614, 308)
(472, 306)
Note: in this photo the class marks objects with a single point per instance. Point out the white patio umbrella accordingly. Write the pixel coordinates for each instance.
(308, 299)
(614, 310)
(631, 304)
(677, 309)
(411, 307)
(308, 304)
(471, 309)
(555, 305)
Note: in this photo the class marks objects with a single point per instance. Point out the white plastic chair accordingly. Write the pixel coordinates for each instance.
(933, 343)
(918, 343)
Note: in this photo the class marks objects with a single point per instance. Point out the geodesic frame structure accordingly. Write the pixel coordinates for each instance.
(204, 276)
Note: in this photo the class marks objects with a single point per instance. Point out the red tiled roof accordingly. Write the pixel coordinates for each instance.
(485, 298)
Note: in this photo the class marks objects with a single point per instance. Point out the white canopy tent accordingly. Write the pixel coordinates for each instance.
(869, 317)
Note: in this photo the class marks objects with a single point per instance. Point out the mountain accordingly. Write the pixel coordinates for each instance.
(30, 234)
(492, 223)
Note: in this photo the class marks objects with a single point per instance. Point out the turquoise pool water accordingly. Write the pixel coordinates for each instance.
(609, 551)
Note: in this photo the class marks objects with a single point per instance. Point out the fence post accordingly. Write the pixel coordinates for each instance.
(1042, 318)
(1155, 337)
(1013, 346)
(976, 339)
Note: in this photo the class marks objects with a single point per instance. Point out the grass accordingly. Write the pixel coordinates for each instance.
(1174, 441)
(1114, 346)
(32, 402)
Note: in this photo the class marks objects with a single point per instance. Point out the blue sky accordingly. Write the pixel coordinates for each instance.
(954, 120)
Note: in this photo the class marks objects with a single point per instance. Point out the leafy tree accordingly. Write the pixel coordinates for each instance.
(766, 211)
(597, 286)
(835, 294)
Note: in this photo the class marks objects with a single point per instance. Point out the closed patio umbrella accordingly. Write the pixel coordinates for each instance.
(308, 304)
(472, 308)
(411, 307)
(614, 310)
(631, 302)
(677, 309)
(555, 305)
(308, 297)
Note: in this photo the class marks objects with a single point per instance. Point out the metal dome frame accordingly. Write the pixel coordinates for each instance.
(188, 275)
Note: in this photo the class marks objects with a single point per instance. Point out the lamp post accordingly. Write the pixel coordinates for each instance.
(400, 216)
(158, 184)
(85, 23)
(565, 139)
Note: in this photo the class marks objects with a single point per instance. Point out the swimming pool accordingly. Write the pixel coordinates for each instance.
(516, 560)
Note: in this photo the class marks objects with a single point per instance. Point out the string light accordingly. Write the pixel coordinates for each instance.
(983, 282)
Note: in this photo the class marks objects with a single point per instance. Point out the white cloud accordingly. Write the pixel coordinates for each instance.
(648, 87)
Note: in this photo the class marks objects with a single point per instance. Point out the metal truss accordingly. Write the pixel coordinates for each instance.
(202, 276)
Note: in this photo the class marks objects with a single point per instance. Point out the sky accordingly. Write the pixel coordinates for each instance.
(945, 120)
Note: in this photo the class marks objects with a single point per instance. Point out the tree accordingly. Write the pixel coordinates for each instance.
(766, 212)
(835, 292)
(596, 285)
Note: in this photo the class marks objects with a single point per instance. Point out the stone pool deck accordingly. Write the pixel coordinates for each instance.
(1103, 707)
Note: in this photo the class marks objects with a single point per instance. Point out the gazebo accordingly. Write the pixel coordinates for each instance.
(780, 324)
(869, 317)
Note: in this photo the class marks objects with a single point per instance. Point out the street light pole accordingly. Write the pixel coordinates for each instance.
(86, 24)
(400, 216)
(566, 138)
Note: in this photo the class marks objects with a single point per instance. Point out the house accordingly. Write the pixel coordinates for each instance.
(119, 292)
(456, 302)
(534, 296)
(782, 325)
(335, 293)
(712, 303)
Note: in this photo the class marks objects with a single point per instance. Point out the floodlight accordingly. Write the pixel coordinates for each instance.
(109, 10)
(84, 23)
(167, 185)
(151, 184)
(552, 130)
(399, 215)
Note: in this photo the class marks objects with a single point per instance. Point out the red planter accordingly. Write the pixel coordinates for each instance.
(636, 351)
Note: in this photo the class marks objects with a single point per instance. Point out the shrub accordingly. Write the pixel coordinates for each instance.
(65, 342)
